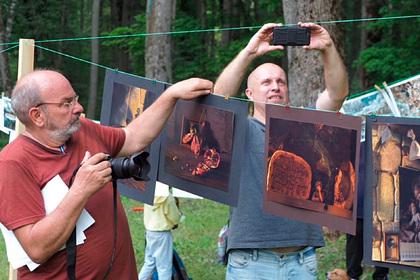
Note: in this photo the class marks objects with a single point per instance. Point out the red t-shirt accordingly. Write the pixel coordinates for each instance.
(25, 168)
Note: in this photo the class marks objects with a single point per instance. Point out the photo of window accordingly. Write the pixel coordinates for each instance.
(125, 97)
(392, 206)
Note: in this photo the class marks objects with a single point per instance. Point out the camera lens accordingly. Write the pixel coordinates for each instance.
(136, 167)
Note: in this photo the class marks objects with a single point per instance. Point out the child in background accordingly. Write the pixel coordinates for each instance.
(159, 220)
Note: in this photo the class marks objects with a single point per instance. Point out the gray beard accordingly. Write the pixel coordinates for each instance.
(64, 134)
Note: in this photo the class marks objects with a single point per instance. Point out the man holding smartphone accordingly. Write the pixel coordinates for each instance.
(260, 245)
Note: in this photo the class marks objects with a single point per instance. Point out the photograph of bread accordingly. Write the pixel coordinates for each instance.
(312, 161)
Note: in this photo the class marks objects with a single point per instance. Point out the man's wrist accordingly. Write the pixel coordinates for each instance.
(248, 55)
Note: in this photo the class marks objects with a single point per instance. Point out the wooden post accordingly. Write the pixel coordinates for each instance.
(25, 65)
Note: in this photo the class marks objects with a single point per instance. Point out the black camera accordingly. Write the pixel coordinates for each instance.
(135, 166)
(291, 36)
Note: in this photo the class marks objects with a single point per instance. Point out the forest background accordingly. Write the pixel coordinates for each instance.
(205, 36)
(171, 40)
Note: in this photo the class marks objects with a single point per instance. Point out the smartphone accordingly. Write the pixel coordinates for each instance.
(291, 36)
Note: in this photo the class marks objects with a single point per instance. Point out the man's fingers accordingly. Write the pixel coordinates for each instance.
(86, 157)
(96, 158)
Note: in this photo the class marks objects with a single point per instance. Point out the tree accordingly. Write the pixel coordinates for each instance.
(305, 71)
(5, 32)
(158, 57)
(392, 51)
(96, 4)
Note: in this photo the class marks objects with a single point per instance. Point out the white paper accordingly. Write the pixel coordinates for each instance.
(162, 189)
(53, 193)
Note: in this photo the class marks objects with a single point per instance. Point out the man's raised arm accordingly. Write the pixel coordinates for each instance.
(146, 127)
(229, 81)
(335, 74)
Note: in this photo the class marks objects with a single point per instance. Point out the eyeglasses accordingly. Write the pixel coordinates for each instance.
(69, 104)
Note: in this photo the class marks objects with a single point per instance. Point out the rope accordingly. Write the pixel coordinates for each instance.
(8, 49)
(95, 64)
(213, 30)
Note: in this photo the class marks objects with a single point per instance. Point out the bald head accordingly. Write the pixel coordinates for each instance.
(265, 71)
(32, 89)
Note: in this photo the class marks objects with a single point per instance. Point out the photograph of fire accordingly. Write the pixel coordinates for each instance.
(198, 147)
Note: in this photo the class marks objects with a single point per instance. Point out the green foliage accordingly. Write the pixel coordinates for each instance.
(395, 53)
(134, 45)
(4, 139)
(389, 63)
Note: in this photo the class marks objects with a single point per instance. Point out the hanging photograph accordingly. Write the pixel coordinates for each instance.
(369, 103)
(202, 146)
(407, 96)
(392, 204)
(125, 97)
(312, 162)
(7, 116)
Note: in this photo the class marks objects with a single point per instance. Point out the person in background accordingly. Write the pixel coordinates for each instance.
(260, 245)
(159, 221)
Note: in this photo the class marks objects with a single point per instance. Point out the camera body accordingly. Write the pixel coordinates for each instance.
(135, 166)
(291, 36)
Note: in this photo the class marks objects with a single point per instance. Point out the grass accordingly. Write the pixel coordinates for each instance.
(195, 240)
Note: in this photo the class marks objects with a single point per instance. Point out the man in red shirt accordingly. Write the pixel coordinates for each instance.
(55, 143)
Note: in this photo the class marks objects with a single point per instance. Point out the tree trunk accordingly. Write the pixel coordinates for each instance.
(305, 71)
(4, 58)
(158, 56)
(122, 13)
(226, 22)
(64, 30)
(95, 58)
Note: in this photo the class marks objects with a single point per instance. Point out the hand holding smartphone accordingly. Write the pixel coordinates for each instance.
(291, 36)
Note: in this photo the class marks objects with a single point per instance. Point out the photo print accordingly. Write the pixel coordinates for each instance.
(407, 96)
(202, 144)
(7, 116)
(125, 97)
(392, 204)
(312, 166)
(369, 103)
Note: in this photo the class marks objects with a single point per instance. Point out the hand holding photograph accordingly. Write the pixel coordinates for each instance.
(125, 97)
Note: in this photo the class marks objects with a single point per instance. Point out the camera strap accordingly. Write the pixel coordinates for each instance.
(71, 255)
(71, 248)
(114, 247)
(71, 244)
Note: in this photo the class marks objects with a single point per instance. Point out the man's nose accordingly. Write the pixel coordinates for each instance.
(78, 108)
(275, 87)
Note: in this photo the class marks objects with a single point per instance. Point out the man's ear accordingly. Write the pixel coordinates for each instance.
(36, 116)
(248, 93)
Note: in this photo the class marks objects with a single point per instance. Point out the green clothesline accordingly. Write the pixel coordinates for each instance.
(15, 45)
(154, 80)
(112, 69)
(213, 30)
(10, 48)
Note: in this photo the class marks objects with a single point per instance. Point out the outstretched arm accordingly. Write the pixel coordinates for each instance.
(335, 73)
(146, 127)
(229, 81)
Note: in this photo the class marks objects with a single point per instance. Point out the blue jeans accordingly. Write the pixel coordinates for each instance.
(159, 248)
(269, 265)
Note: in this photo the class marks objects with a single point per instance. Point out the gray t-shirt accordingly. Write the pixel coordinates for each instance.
(249, 226)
